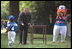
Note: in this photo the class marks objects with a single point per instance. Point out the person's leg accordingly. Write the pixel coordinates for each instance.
(63, 31)
(13, 36)
(21, 34)
(55, 33)
(25, 34)
(9, 39)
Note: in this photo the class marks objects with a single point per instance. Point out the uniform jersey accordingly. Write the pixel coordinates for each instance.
(12, 26)
(60, 21)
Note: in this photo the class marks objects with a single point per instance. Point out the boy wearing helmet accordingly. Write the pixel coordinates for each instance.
(11, 28)
(60, 24)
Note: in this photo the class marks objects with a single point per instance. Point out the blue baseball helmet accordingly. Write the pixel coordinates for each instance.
(11, 17)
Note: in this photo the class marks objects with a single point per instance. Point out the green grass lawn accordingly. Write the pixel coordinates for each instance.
(38, 43)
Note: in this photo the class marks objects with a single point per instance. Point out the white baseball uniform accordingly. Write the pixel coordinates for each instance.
(11, 33)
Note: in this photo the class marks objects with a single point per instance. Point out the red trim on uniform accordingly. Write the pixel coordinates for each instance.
(58, 22)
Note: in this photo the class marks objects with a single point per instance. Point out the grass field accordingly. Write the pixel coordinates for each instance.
(38, 43)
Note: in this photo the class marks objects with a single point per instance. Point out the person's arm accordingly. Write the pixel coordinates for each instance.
(29, 19)
(65, 17)
(20, 19)
(16, 27)
(7, 28)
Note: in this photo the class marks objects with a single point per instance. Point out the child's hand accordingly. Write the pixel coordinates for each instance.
(6, 30)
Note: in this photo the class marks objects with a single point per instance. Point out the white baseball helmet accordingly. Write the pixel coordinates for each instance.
(62, 7)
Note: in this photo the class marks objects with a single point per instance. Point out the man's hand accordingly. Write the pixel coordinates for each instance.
(22, 24)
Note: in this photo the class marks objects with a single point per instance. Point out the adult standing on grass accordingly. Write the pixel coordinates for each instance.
(24, 20)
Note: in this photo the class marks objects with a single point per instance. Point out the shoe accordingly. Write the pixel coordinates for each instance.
(20, 43)
(62, 41)
(24, 43)
(10, 45)
(53, 41)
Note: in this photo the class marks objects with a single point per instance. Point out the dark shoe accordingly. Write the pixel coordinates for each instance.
(20, 43)
(53, 41)
(24, 43)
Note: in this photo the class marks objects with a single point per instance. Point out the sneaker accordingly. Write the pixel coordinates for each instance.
(24, 43)
(53, 41)
(20, 43)
(62, 41)
(10, 45)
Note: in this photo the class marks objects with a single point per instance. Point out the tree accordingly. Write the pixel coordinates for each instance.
(43, 9)
(4, 9)
(14, 8)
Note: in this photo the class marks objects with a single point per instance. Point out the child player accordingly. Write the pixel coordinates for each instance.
(11, 29)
